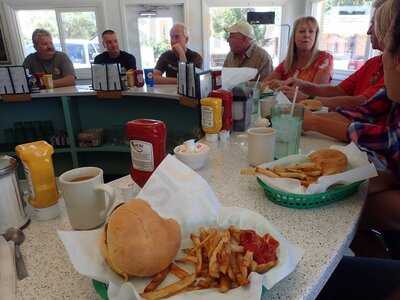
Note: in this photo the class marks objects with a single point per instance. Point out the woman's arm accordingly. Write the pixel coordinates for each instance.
(331, 124)
(273, 81)
(343, 101)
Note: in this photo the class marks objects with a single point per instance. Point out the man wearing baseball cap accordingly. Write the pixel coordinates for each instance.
(245, 52)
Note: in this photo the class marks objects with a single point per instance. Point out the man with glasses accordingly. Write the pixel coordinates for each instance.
(245, 52)
(168, 61)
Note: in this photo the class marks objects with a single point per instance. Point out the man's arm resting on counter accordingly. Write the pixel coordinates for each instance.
(68, 80)
(342, 101)
(331, 124)
(159, 79)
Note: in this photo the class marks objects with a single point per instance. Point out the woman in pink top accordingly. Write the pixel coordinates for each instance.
(303, 59)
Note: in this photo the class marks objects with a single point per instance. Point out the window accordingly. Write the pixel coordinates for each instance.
(344, 31)
(266, 36)
(73, 32)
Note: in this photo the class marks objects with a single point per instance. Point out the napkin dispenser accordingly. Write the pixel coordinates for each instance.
(242, 107)
(12, 213)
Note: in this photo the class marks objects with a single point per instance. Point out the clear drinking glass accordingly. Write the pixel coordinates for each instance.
(288, 129)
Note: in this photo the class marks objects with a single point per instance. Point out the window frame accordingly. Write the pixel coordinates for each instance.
(207, 4)
(12, 6)
(339, 75)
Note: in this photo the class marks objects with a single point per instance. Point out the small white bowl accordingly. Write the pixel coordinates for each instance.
(195, 160)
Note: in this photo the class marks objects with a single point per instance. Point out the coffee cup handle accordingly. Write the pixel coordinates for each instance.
(108, 201)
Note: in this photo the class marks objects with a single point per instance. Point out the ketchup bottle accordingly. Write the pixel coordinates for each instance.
(227, 100)
(147, 139)
(139, 79)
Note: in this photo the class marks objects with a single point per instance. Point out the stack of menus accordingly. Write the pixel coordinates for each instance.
(13, 81)
(193, 82)
(106, 77)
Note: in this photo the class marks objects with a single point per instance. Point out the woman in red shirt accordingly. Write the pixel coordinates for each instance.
(303, 59)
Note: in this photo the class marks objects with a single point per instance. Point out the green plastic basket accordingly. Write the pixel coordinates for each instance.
(333, 194)
(101, 289)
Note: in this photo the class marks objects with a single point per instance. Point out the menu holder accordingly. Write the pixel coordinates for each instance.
(193, 83)
(14, 86)
(106, 81)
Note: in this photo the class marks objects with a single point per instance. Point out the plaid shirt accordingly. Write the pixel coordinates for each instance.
(375, 128)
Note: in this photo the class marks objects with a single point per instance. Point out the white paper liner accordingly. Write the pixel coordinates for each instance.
(359, 168)
(176, 191)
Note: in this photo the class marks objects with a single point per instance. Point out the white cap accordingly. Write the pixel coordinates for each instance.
(212, 137)
(242, 27)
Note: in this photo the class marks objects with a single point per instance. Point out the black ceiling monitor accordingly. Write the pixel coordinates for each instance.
(257, 17)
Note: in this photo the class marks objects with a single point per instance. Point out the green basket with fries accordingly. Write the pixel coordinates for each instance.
(304, 201)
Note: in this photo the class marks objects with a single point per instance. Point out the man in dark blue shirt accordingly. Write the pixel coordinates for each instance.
(113, 55)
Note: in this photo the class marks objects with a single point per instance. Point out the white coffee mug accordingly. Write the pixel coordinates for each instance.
(261, 145)
(265, 106)
(87, 199)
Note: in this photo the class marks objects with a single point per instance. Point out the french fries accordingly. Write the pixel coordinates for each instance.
(157, 279)
(170, 289)
(218, 260)
(178, 271)
(307, 172)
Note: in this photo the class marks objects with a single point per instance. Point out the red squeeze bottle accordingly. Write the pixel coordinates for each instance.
(227, 100)
(139, 79)
(147, 139)
(216, 79)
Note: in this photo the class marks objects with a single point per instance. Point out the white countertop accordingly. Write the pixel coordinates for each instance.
(324, 233)
(167, 91)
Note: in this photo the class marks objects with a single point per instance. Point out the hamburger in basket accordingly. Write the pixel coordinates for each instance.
(136, 241)
(320, 163)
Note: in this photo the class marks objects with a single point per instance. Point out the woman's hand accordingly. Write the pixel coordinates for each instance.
(289, 91)
(272, 84)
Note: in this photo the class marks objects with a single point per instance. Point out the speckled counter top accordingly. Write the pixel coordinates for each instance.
(167, 91)
(324, 233)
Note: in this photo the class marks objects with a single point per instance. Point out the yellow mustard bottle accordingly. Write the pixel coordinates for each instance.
(211, 117)
(37, 160)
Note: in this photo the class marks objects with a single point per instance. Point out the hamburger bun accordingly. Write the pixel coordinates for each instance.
(312, 104)
(137, 242)
(330, 161)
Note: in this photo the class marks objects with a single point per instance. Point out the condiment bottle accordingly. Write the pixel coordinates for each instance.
(216, 76)
(37, 160)
(139, 79)
(242, 108)
(211, 117)
(227, 100)
(147, 139)
(130, 76)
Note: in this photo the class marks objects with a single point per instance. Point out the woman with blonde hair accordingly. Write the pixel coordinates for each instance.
(303, 60)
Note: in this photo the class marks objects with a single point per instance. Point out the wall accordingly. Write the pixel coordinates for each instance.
(113, 18)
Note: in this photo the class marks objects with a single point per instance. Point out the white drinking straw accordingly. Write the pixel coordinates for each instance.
(296, 91)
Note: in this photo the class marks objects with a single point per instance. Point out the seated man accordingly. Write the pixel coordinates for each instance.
(113, 55)
(47, 60)
(245, 52)
(351, 92)
(168, 61)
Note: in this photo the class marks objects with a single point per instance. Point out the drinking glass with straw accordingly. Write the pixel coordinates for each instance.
(287, 119)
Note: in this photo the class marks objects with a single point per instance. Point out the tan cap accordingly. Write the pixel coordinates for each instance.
(243, 28)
